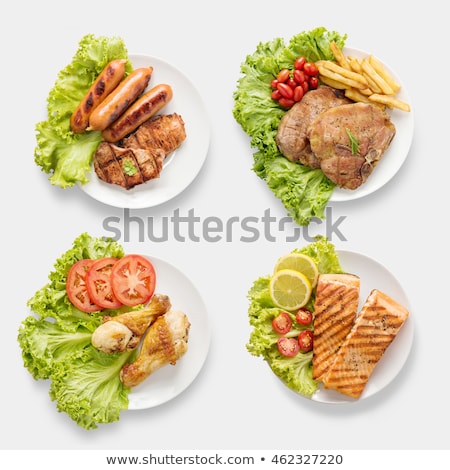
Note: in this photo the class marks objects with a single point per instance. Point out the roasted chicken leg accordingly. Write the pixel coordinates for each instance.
(123, 332)
(165, 343)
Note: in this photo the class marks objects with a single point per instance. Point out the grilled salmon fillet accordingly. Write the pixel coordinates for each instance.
(336, 305)
(374, 330)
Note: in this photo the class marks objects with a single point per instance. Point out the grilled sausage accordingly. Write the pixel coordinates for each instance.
(143, 109)
(120, 99)
(104, 84)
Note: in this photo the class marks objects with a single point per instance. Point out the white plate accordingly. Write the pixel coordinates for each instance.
(183, 165)
(397, 152)
(171, 380)
(373, 275)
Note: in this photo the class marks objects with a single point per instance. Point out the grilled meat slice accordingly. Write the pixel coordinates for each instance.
(127, 167)
(292, 135)
(336, 305)
(375, 328)
(163, 131)
(165, 343)
(349, 141)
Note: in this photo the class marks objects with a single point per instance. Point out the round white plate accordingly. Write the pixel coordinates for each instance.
(183, 165)
(171, 380)
(397, 152)
(373, 275)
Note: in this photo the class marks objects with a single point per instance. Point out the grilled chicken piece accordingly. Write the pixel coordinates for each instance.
(349, 141)
(165, 343)
(375, 328)
(292, 136)
(336, 305)
(140, 156)
(123, 332)
(164, 131)
(127, 167)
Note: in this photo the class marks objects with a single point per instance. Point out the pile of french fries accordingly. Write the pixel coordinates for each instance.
(364, 80)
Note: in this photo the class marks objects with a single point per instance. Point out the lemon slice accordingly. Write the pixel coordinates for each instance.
(301, 263)
(289, 289)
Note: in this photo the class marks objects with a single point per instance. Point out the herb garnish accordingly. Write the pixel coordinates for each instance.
(129, 168)
(353, 141)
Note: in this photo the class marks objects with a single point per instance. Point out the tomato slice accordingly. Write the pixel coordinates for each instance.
(282, 323)
(304, 316)
(76, 287)
(133, 280)
(305, 340)
(98, 283)
(288, 346)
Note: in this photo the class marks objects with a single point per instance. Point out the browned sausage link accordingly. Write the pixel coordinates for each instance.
(142, 110)
(120, 99)
(104, 84)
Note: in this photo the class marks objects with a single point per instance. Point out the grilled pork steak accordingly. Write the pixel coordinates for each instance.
(140, 156)
(349, 141)
(292, 135)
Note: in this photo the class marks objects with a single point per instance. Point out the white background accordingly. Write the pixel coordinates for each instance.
(236, 402)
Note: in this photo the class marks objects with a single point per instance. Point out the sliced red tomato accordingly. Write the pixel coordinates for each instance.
(305, 340)
(133, 280)
(76, 287)
(98, 283)
(288, 346)
(304, 316)
(282, 323)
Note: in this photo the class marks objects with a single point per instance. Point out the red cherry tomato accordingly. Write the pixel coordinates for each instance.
(298, 93)
(285, 90)
(299, 76)
(276, 95)
(313, 82)
(98, 283)
(288, 347)
(133, 280)
(282, 323)
(283, 75)
(310, 69)
(299, 63)
(274, 83)
(76, 287)
(304, 316)
(305, 340)
(286, 102)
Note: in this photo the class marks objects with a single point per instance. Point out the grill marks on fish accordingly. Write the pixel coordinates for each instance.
(336, 305)
(374, 330)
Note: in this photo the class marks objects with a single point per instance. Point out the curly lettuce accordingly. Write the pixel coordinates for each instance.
(59, 152)
(295, 372)
(56, 344)
(303, 191)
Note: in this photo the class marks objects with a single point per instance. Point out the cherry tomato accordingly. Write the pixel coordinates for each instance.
(285, 90)
(305, 340)
(276, 95)
(283, 75)
(288, 347)
(299, 76)
(313, 82)
(304, 316)
(298, 93)
(274, 83)
(76, 287)
(299, 63)
(98, 283)
(292, 83)
(305, 86)
(282, 323)
(310, 69)
(133, 280)
(286, 102)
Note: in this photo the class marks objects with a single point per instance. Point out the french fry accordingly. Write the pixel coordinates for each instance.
(356, 95)
(336, 73)
(390, 101)
(381, 70)
(372, 73)
(333, 83)
(339, 56)
(355, 64)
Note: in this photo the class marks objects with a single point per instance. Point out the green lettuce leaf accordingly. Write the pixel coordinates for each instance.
(303, 191)
(59, 152)
(56, 344)
(295, 372)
